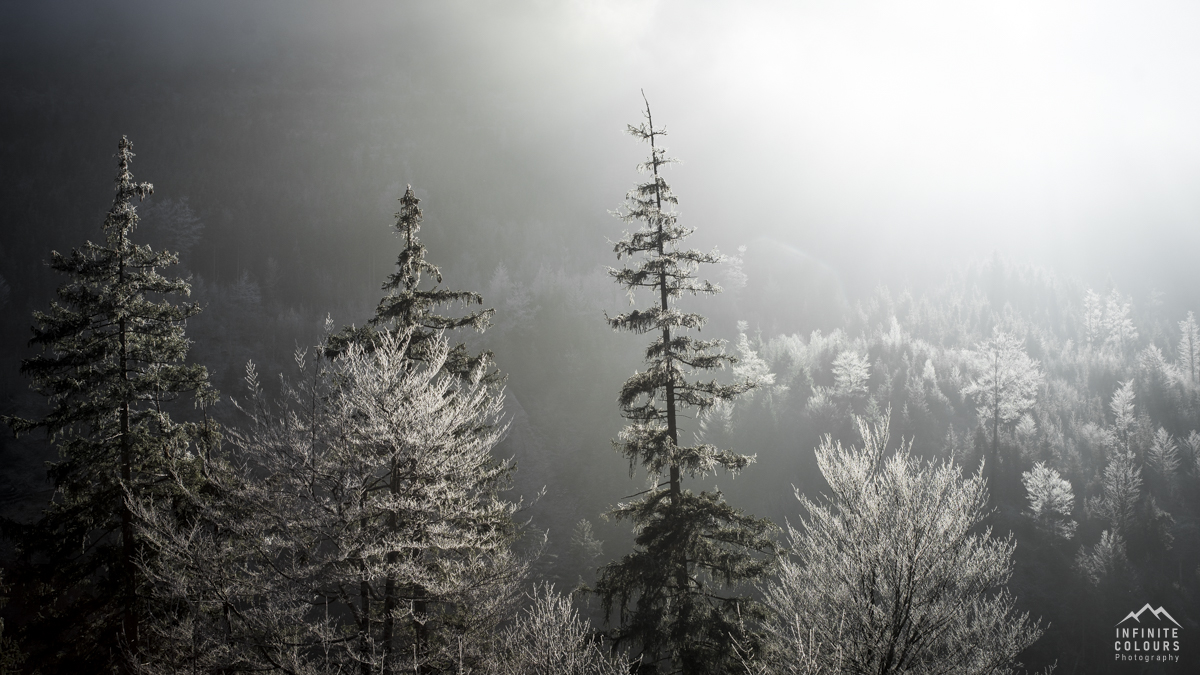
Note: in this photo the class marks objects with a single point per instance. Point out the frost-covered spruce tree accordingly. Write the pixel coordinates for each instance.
(408, 307)
(676, 593)
(367, 532)
(112, 362)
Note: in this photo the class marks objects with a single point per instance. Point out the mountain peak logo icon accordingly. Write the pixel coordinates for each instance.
(1158, 614)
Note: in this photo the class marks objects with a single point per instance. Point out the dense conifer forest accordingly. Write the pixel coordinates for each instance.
(358, 365)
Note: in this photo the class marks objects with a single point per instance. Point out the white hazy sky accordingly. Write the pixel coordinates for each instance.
(1066, 130)
(883, 132)
(891, 135)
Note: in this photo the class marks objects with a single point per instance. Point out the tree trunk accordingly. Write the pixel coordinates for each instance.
(129, 618)
(421, 637)
(996, 438)
(364, 629)
(681, 572)
(389, 590)
(995, 413)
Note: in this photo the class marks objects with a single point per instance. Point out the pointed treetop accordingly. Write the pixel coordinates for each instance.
(658, 156)
(407, 307)
(122, 217)
(411, 262)
(408, 219)
(646, 130)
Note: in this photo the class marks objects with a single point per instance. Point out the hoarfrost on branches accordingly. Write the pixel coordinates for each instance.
(890, 574)
(1051, 500)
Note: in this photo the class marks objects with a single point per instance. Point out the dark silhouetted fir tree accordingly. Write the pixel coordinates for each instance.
(112, 364)
(676, 593)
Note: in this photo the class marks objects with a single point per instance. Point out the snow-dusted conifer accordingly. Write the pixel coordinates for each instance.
(750, 366)
(1121, 492)
(112, 363)
(1051, 500)
(11, 656)
(1191, 453)
(1121, 333)
(1093, 319)
(1162, 457)
(688, 545)
(1188, 352)
(1105, 560)
(409, 308)
(584, 542)
(1007, 385)
(850, 374)
(1124, 414)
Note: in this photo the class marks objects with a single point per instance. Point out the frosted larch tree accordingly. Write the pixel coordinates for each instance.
(1007, 384)
(550, 638)
(1051, 501)
(892, 573)
(370, 536)
(850, 375)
